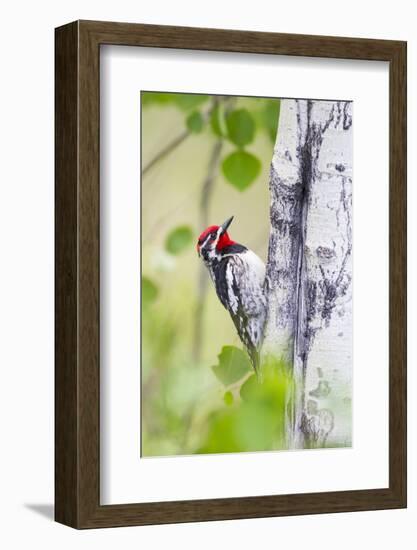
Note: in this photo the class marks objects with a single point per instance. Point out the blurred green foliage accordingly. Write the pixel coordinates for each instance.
(195, 122)
(149, 292)
(179, 239)
(184, 102)
(210, 402)
(228, 398)
(257, 421)
(269, 116)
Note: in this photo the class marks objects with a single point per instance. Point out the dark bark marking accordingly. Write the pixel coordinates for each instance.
(286, 201)
(316, 425)
(339, 114)
(347, 117)
(322, 390)
(325, 253)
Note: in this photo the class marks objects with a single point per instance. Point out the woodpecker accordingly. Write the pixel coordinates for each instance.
(238, 275)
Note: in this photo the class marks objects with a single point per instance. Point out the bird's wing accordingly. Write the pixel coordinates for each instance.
(246, 301)
(245, 277)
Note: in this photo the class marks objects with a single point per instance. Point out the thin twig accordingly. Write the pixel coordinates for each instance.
(179, 139)
(165, 151)
(205, 199)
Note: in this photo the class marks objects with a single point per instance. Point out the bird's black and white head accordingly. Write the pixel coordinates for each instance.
(213, 241)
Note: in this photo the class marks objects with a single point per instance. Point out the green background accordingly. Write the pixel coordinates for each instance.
(187, 405)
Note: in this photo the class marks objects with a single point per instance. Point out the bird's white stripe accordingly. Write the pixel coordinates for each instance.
(232, 297)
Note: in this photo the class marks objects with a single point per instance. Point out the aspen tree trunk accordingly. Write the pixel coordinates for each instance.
(281, 282)
(309, 269)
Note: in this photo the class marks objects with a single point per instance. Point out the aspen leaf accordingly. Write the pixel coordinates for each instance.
(195, 122)
(215, 123)
(149, 291)
(187, 102)
(240, 127)
(270, 117)
(248, 388)
(232, 366)
(179, 239)
(241, 169)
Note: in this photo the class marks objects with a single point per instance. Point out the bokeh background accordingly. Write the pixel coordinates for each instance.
(203, 159)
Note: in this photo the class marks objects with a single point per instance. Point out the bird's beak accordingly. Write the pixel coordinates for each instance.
(226, 224)
(198, 249)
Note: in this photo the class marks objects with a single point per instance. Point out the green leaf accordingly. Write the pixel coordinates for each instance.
(157, 98)
(195, 122)
(240, 127)
(248, 388)
(215, 121)
(270, 117)
(241, 169)
(184, 102)
(187, 102)
(233, 365)
(228, 398)
(179, 239)
(149, 291)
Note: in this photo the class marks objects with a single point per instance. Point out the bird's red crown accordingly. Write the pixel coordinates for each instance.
(223, 241)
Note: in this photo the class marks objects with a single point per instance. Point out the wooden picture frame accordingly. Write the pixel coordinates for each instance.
(77, 359)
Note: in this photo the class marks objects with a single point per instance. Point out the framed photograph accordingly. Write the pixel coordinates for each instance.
(230, 274)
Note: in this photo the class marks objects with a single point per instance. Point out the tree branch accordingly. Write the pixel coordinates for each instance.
(172, 145)
(205, 199)
(165, 151)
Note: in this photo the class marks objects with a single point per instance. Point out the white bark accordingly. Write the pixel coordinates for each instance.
(281, 281)
(309, 267)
